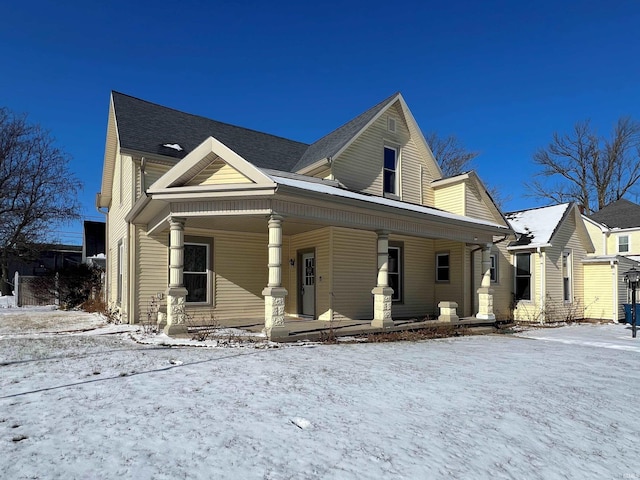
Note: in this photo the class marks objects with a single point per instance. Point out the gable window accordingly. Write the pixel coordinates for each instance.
(442, 267)
(523, 276)
(623, 244)
(493, 269)
(566, 275)
(390, 170)
(395, 272)
(196, 271)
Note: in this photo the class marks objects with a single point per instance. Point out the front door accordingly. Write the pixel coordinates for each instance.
(308, 288)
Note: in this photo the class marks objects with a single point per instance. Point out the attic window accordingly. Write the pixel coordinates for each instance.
(391, 124)
(173, 146)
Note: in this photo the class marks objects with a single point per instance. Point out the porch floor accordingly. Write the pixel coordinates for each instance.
(305, 329)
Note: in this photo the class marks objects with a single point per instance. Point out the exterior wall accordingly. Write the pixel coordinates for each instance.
(598, 238)
(475, 206)
(450, 198)
(359, 167)
(599, 290)
(418, 278)
(118, 231)
(152, 268)
(634, 242)
(354, 273)
(454, 290)
(320, 240)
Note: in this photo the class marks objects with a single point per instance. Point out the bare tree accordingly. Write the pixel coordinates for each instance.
(450, 154)
(37, 190)
(586, 168)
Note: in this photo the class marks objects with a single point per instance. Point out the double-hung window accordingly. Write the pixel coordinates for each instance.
(566, 275)
(623, 244)
(395, 272)
(442, 267)
(196, 271)
(523, 276)
(493, 269)
(390, 170)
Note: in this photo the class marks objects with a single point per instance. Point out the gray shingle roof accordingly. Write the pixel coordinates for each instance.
(144, 126)
(331, 144)
(621, 214)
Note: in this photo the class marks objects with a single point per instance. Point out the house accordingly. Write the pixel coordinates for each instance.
(548, 258)
(615, 233)
(93, 244)
(211, 217)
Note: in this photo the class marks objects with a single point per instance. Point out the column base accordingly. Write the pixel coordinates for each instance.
(448, 312)
(274, 312)
(277, 334)
(175, 317)
(485, 304)
(382, 307)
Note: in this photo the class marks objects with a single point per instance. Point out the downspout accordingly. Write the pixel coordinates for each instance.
(614, 295)
(541, 269)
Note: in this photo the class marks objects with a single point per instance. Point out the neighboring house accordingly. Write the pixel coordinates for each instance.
(49, 259)
(220, 219)
(615, 232)
(548, 256)
(94, 244)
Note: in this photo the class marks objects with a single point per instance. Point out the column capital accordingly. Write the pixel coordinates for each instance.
(383, 233)
(177, 222)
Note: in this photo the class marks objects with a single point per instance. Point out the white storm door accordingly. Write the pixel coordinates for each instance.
(308, 284)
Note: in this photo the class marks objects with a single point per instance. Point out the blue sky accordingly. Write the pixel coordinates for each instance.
(501, 75)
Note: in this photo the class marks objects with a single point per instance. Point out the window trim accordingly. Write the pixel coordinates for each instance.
(397, 297)
(210, 289)
(628, 244)
(516, 276)
(120, 271)
(493, 268)
(439, 268)
(569, 270)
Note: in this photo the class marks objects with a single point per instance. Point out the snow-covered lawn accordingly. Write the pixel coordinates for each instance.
(74, 405)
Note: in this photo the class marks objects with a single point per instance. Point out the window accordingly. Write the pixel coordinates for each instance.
(389, 171)
(566, 276)
(523, 276)
(120, 269)
(493, 269)
(442, 267)
(196, 272)
(395, 272)
(623, 244)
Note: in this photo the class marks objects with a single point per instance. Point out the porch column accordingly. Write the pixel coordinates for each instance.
(274, 293)
(485, 292)
(176, 293)
(382, 293)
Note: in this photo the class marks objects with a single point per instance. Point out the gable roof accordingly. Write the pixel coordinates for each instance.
(537, 226)
(333, 142)
(150, 128)
(619, 214)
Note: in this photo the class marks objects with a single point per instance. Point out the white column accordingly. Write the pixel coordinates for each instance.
(485, 292)
(382, 293)
(176, 293)
(274, 294)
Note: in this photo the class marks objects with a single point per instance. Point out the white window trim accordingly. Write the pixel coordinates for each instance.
(396, 186)
(531, 279)
(494, 260)
(399, 295)
(207, 273)
(569, 254)
(628, 237)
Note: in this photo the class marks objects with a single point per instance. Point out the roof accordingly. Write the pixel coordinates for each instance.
(147, 127)
(333, 142)
(619, 214)
(537, 226)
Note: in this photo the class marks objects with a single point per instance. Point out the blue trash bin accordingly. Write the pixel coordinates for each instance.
(627, 313)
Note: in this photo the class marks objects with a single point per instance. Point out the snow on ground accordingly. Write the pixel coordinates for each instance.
(103, 406)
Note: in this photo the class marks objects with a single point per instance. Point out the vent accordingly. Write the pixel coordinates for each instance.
(391, 124)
